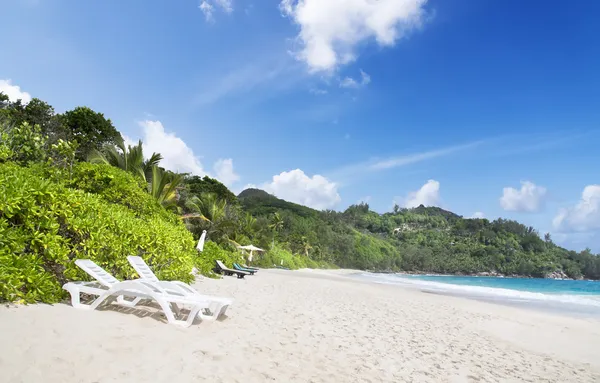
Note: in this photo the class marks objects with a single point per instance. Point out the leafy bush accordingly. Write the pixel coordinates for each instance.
(205, 261)
(117, 186)
(23, 143)
(45, 226)
(278, 256)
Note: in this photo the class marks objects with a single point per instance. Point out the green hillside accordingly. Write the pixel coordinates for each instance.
(425, 239)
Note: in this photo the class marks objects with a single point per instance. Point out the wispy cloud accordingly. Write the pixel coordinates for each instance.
(349, 82)
(208, 8)
(355, 171)
(317, 91)
(395, 162)
(494, 147)
(267, 75)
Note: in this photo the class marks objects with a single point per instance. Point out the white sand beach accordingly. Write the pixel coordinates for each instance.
(302, 326)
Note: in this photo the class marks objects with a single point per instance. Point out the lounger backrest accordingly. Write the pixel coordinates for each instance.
(237, 266)
(221, 265)
(96, 272)
(142, 268)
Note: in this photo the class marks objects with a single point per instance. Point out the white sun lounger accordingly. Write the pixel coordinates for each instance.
(108, 288)
(218, 305)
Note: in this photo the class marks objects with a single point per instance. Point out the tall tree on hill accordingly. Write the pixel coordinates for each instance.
(36, 112)
(203, 185)
(91, 130)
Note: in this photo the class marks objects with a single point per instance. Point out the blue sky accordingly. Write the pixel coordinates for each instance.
(449, 103)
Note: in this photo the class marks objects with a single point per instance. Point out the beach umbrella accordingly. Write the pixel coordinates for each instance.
(251, 248)
(200, 245)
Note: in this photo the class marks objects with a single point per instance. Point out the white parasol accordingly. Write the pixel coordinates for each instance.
(200, 245)
(251, 248)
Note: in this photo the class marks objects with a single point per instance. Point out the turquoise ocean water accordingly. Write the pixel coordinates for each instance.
(569, 297)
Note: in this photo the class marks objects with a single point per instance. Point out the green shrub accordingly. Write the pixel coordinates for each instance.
(275, 256)
(23, 143)
(45, 227)
(205, 261)
(117, 186)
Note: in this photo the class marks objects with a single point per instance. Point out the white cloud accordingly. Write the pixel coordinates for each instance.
(478, 214)
(317, 91)
(530, 198)
(427, 195)
(14, 92)
(584, 216)
(208, 7)
(226, 5)
(295, 186)
(349, 82)
(177, 155)
(330, 30)
(224, 171)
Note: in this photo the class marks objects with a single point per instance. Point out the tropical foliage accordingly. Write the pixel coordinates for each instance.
(130, 158)
(45, 226)
(423, 239)
(56, 207)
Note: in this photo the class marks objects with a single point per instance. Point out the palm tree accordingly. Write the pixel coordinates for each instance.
(163, 186)
(249, 224)
(214, 212)
(130, 159)
(208, 207)
(276, 225)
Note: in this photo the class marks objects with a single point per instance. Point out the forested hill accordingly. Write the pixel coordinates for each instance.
(425, 239)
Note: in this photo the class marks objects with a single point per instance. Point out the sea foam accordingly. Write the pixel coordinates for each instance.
(484, 292)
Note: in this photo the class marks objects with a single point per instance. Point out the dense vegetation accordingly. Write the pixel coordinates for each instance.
(423, 239)
(70, 188)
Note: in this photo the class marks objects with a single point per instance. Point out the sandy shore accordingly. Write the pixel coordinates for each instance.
(302, 326)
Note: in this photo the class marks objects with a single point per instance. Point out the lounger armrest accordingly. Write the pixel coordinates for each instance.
(184, 286)
(176, 286)
(141, 285)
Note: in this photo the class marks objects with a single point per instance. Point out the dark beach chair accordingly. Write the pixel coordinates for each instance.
(250, 268)
(240, 268)
(222, 269)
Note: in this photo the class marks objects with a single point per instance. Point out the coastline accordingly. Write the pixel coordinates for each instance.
(307, 325)
(557, 276)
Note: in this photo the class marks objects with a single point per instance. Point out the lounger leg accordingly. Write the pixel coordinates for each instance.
(166, 308)
(216, 312)
(107, 296)
(169, 308)
(175, 309)
(208, 317)
(75, 297)
(75, 293)
(124, 302)
(192, 315)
